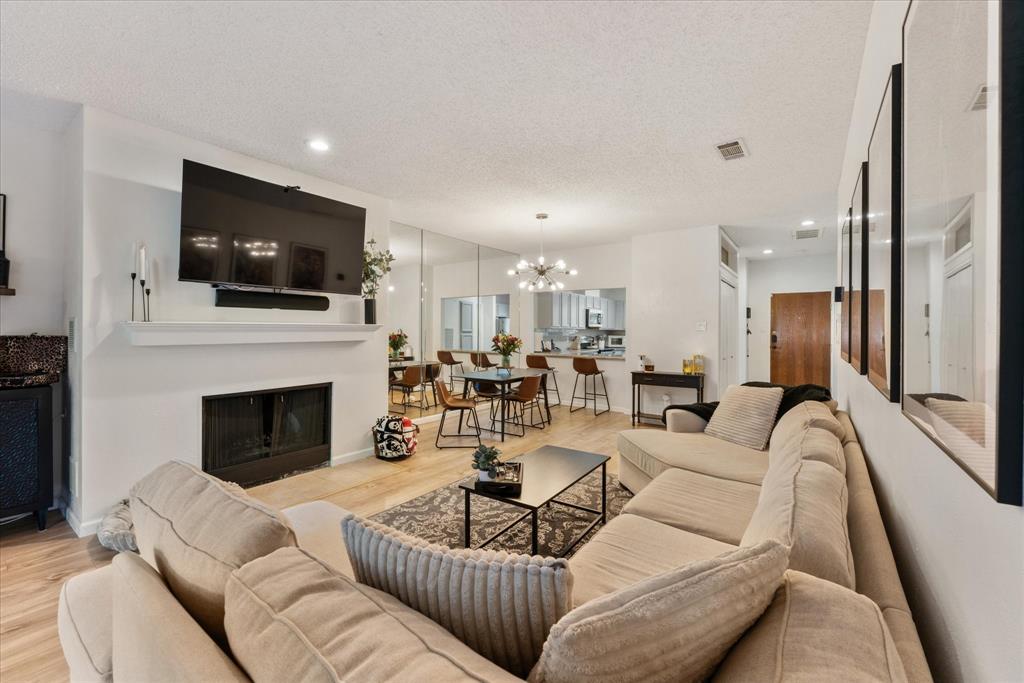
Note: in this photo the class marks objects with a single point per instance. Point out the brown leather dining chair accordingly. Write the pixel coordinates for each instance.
(527, 395)
(463, 406)
(448, 360)
(411, 381)
(480, 360)
(587, 369)
(541, 363)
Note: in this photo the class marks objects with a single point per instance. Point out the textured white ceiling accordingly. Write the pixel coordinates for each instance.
(471, 116)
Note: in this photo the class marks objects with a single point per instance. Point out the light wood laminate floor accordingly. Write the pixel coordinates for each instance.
(33, 565)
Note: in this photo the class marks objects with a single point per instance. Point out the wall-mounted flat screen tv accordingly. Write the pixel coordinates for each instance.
(237, 230)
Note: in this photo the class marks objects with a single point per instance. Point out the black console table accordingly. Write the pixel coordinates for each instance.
(661, 379)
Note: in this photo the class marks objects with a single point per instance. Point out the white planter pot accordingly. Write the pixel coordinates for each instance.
(484, 475)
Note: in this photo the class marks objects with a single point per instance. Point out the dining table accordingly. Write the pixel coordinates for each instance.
(504, 378)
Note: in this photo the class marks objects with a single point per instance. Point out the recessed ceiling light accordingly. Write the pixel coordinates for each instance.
(318, 145)
(767, 251)
(806, 223)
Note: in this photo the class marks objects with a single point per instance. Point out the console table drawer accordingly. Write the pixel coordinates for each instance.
(668, 380)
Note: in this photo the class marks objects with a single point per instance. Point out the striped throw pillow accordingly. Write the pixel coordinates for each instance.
(500, 604)
(746, 416)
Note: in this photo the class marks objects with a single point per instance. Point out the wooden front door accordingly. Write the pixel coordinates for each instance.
(801, 338)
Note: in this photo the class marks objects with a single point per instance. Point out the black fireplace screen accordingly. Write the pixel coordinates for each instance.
(258, 436)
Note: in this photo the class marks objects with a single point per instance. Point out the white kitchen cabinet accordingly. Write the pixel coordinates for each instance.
(566, 303)
(620, 315)
(544, 310)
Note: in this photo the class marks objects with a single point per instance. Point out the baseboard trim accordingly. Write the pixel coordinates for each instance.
(351, 457)
(80, 528)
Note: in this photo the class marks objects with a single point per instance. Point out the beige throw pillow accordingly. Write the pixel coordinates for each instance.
(196, 529)
(815, 630)
(803, 505)
(291, 617)
(674, 626)
(502, 605)
(745, 415)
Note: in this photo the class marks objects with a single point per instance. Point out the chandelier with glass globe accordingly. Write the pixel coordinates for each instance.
(541, 275)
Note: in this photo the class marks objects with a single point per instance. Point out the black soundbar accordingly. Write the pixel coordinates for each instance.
(237, 298)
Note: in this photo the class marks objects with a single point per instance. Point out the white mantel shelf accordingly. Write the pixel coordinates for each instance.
(179, 333)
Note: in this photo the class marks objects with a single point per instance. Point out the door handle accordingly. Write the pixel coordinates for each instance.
(775, 340)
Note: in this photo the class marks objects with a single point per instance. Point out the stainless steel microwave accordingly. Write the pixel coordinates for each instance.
(595, 318)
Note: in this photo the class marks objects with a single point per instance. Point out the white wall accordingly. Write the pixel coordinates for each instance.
(141, 406)
(30, 175)
(959, 552)
(675, 290)
(813, 273)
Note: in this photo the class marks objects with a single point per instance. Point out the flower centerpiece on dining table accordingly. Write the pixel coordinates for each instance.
(396, 342)
(506, 345)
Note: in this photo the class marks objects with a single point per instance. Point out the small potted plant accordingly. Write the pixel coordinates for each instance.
(506, 345)
(485, 459)
(376, 264)
(396, 342)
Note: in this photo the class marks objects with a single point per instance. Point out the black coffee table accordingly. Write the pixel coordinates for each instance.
(547, 473)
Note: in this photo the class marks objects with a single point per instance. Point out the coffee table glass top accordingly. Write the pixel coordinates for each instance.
(547, 472)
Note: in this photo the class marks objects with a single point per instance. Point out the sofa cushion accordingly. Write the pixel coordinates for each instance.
(813, 443)
(674, 626)
(631, 548)
(745, 416)
(803, 504)
(802, 417)
(291, 617)
(653, 451)
(317, 526)
(155, 639)
(706, 505)
(196, 529)
(502, 605)
(85, 624)
(815, 630)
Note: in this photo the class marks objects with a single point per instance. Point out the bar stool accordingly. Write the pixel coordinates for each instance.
(462, 405)
(481, 361)
(527, 395)
(541, 363)
(448, 359)
(587, 369)
(410, 381)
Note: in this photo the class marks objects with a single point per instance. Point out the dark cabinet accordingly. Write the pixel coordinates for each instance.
(26, 451)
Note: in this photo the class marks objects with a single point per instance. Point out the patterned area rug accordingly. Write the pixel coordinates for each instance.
(437, 517)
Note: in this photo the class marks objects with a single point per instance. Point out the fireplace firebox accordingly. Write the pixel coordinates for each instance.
(259, 436)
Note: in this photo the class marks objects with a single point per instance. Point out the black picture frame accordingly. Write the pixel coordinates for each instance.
(307, 267)
(859, 272)
(1007, 485)
(885, 241)
(845, 243)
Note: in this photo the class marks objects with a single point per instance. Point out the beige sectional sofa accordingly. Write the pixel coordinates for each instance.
(271, 596)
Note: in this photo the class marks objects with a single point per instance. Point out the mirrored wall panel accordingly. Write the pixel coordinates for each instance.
(883, 217)
(953, 171)
(858, 268)
(447, 298)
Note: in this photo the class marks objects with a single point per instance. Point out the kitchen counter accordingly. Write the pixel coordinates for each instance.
(582, 353)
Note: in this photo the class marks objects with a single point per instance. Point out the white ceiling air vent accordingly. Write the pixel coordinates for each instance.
(807, 233)
(980, 99)
(734, 149)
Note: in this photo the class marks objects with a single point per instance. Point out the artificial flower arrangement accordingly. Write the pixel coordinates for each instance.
(376, 264)
(397, 341)
(506, 345)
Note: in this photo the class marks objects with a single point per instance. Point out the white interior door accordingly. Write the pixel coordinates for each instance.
(957, 346)
(727, 341)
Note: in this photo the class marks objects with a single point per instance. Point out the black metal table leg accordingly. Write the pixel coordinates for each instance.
(604, 494)
(533, 532)
(467, 519)
(504, 408)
